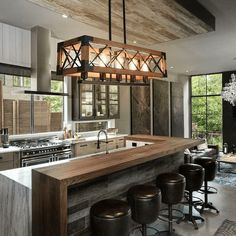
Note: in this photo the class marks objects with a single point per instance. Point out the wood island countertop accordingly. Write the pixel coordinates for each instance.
(81, 170)
(50, 184)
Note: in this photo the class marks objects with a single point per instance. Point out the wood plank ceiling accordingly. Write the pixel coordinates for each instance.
(148, 21)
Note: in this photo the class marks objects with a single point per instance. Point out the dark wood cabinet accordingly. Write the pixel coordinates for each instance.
(94, 101)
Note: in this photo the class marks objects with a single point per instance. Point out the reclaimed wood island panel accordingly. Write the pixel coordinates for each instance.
(62, 194)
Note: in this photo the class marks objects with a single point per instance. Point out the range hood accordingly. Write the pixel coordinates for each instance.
(40, 62)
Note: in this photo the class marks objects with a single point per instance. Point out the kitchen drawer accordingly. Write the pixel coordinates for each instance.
(6, 165)
(6, 157)
(81, 149)
(120, 142)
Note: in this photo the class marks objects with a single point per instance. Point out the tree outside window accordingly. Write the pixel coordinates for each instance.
(207, 107)
(19, 81)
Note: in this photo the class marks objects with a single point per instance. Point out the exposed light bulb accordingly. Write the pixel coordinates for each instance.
(145, 67)
(133, 64)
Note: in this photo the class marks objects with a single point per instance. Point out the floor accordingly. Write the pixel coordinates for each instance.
(224, 200)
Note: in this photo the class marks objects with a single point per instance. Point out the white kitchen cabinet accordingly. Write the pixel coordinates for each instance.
(1, 41)
(14, 45)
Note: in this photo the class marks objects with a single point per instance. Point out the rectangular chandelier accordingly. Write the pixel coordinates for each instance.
(88, 57)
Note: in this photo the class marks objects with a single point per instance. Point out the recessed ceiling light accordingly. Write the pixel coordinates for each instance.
(172, 67)
(134, 41)
(186, 71)
(64, 16)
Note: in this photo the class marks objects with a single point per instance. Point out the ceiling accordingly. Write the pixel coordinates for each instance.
(204, 53)
(148, 22)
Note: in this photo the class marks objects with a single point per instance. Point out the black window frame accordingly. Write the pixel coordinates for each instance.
(206, 131)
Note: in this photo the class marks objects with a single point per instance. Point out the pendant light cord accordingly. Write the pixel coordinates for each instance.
(109, 17)
(110, 22)
(124, 22)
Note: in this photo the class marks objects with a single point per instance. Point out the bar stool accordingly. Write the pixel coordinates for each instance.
(210, 167)
(145, 202)
(194, 175)
(172, 187)
(110, 217)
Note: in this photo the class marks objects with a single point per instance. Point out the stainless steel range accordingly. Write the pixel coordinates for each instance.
(41, 151)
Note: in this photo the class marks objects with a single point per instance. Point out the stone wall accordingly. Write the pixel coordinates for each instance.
(177, 111)
(161, 107)
(140, 110)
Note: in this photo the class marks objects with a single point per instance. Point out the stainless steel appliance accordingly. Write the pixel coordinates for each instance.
(4, 137)
(42, 151)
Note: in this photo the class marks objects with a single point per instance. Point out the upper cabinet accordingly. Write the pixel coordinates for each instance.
(94, 101)
(14, 46)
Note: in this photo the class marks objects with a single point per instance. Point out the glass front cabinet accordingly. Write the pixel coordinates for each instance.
(94, 101)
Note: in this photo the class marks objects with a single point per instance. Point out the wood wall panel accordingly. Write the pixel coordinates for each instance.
(10, 115)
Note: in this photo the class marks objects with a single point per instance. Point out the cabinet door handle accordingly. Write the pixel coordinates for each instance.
(83, 145)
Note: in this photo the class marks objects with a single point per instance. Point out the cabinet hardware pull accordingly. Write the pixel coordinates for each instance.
(83, 145)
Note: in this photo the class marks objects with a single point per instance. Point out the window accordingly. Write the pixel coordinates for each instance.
(207, 107)
(17, 107)
(55, 102)
(19, 81)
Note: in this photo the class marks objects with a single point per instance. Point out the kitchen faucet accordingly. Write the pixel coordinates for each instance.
(99, 141)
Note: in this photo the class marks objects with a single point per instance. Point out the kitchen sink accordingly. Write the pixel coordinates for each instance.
(128, 145)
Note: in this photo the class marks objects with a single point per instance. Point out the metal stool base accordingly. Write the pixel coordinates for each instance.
(167, 233)
(206, 205)
(191, 218)
(143, 230)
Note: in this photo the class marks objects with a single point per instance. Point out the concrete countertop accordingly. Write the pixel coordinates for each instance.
(9, 149)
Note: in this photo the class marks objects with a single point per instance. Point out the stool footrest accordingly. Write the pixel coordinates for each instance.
(191, 218)
(167, 233)
(164, 217)
(210, 190)
(156, 232)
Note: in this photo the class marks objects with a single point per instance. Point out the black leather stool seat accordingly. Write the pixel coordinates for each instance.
(145, 202)
(194, 175)
(210, 166)
(172, 187)
(110, 217)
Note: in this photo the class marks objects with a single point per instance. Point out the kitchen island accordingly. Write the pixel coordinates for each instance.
(63, 193)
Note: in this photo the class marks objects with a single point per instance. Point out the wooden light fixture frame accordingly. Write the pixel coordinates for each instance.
(91, 57)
